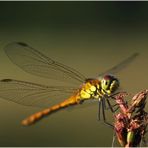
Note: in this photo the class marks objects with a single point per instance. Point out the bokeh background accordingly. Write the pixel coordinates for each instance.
(88, 36)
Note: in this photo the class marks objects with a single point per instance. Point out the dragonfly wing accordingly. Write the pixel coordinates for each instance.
(31, 94)
(34, 62)
(121, 65)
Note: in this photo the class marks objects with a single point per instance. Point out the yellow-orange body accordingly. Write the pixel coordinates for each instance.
(34, 62)
(33, 118)
(89, 90)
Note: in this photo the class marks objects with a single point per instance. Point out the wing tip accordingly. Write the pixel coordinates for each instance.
(14, 43)
(6, 80)
(22, 44)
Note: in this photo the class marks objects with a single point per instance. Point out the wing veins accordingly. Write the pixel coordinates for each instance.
(115, 69)
(27, 93)
(19, 48)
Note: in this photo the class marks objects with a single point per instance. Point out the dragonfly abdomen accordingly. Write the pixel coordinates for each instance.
(39, 115)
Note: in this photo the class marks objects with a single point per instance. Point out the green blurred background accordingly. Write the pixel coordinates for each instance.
(88, 36)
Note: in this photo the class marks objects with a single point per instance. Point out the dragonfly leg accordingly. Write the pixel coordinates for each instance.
(99, 110)
(104, 104)
(101, 104)
(103, 113)
(111, 107)
(116, 108)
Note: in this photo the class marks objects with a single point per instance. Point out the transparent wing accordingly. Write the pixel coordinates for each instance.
(117, 68)
(34, 62)
(31, 94)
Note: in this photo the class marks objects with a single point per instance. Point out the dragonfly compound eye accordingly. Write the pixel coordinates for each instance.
(114, 85)
(109, 84)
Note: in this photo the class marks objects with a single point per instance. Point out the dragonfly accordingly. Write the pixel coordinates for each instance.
(53, 98)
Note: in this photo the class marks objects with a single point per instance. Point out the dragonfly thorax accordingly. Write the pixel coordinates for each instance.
(90, 89)
(98, 88)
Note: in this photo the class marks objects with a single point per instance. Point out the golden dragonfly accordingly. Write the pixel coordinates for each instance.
(31, 94)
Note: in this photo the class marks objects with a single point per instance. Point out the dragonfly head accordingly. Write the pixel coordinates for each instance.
(109, 84)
